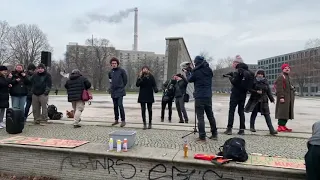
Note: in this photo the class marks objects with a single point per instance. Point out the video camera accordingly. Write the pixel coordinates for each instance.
(230, 74)
(186, 66)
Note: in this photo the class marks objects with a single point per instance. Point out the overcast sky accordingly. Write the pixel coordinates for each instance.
(255, 29)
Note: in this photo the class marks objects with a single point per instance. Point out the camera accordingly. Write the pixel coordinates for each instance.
(230, 74)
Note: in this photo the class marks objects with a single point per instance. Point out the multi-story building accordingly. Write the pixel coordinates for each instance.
(305, 69)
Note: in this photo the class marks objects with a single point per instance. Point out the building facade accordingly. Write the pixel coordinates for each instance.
(304, 65)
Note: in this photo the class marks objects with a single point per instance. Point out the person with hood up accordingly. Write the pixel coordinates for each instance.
(202, 76)
(285, 92)
(4, 94)
(41, 83)
(241, 81)
(118, 80)
(75, 86)
(19, 90)
(312, 158)
(30, 71)
(259, 101)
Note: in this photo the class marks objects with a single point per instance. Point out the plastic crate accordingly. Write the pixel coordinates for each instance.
(121, 135)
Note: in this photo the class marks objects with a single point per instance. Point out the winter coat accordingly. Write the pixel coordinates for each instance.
(263, 98)
(118, 79)
(75, 86)
(201, 76)
(285, 89)
(41, 83)
(181, 87)
(147, 86)
(241, 81)
(19, 88)
(4, 92)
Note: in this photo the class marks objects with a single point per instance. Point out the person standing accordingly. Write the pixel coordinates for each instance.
(202, 76)
(180, 92)
(285, 99)
(31, 68)
(118, 81)
(259, 101)
(147, 85)
(19, 90)
(167, 98)
(241, 81)
(4, 94)
(312, 158)
(75, 86)
(41, 83)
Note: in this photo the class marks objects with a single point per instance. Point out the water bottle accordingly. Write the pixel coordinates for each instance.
(118, 145)
(110, 144)
(125, 145)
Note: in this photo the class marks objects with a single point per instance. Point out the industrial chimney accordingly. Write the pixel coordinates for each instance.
(135, 36)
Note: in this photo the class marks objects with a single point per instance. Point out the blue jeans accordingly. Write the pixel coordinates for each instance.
(18, 102)
(118, 106)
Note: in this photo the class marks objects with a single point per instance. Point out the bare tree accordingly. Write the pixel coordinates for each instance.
(312, 43)
(4, 49)
(78, 57)
(26, 43)
(101, 52)
(222, 66)
(132, 72)
(56, 68)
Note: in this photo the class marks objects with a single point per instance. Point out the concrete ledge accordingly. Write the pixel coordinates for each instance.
(93, 161)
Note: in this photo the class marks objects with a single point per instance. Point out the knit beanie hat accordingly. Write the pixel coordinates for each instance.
(198, 60)
(3, 68)
(284, 66)
(32, 67)
(238, 58)
(41, 66)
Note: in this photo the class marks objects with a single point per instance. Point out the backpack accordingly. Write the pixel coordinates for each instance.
(169, 91)
(234, 148)
(275, 84)
(53, 113)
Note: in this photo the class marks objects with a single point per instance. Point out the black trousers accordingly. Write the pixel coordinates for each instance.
(118, 106)
(234, 102)
(143, 111)
(27, 108)
(205, 106)
(312, 160)
(266, 116)
(163, 108)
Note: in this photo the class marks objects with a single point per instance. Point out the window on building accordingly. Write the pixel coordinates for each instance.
(290, 57)
(282, 58)
(272, 61)
(286, 57)
(305, 89)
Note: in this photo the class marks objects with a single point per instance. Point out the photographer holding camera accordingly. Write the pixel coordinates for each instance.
(242, 81)
(201, 76)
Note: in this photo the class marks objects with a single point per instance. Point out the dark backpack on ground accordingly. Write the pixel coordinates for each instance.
(235, 149)
(53, 113)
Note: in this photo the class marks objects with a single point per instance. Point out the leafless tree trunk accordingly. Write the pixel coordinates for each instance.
(26, 43)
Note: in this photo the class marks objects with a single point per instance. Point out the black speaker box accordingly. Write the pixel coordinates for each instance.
(14, 121)
(46, 58)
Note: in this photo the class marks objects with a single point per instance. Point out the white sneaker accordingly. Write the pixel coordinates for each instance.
(3, 125)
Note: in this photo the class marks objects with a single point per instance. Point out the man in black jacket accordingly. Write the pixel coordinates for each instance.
(241, 81)
(118, 81)
(31, 68)
(75, 86)
(180, 91)
(18, 90)
(41, 83)
(201, 76)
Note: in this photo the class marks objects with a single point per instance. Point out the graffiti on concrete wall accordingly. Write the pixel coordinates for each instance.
(128, 170)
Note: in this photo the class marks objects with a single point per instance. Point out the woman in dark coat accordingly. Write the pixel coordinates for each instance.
(4, 93)
(259, 101)
(147, 85)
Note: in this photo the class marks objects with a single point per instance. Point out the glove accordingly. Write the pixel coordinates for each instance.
(46, 93)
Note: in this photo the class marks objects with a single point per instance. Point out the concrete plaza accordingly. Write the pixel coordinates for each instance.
(101, 112)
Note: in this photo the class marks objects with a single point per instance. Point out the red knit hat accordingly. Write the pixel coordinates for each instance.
(284, 66)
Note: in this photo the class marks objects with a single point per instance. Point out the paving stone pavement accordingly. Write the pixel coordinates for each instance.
(267, 145)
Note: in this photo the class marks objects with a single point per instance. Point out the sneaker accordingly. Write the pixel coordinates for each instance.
(115, 123)
(76, 126)
(3, 124)
(181, 121)
(144, 126)
(253, 130)
(287, 129)
(162, 120)
(273, 132)
(281, 129)
(201, 139)
(150, 126)
(228, 131)
(123, 123)
(1, 127)
(241, 132)
(214, 136)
